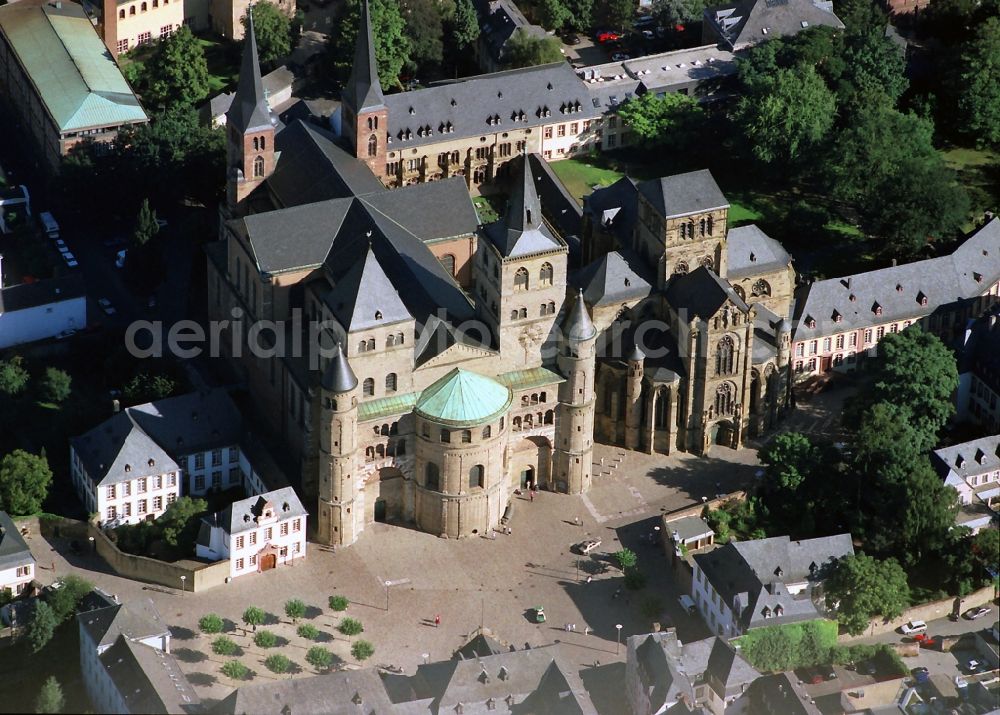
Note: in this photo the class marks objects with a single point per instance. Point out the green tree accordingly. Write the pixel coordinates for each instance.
(392, 46)
(24, 482)
(626, 559)
(13, 376)
(362, 650)
(235, 670)
(673, 12)
(210, 623)
(339, 603)
(425, 30)
(319, 658)
(464, 25)
(57, 385)
(177, 72)
(145, 387)
(350, 627)
(616, 13)
(789, 459)
(265, 639)
(671, 119)
(146, 226)
(278, 663)
(64, 600)
(874, 63)
(553, 14)
(986, 551)
(860, 587)
(180, 523)
(254, 616)
(50, 697)
(308, 631)
(42, 627)
(786, 114)
(582, 12)
(978, 78)
(771, 649)
(526, 50)
(273, 30)
(225, 646)
(295, 609)
(861, 16)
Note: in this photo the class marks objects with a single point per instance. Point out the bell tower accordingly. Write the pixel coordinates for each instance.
(364, 116)
(250, 156)
(337, 444)
(573, 457)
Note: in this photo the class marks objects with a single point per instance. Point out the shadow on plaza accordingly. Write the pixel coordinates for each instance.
(705, 476)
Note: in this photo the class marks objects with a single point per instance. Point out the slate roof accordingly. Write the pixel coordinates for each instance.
(466, 105)
(463, 398)
(431, 211)
(136, 620)
(148, 680)
(438, 335)
(750, 251)
(365, 298)
(363, 91)
(702, 293)
(743, 24)
(899, 290)
(14, 550)
(348, 692)
(757, 571)
(615, 208)
(683, 194)
(661, 678)
(249, 110)
(242, 515)
(71, 70)
(560, 208)
(610, 280)
(578, 326)
(338, 376)
(157, 431)
(970, 458)
(43, 292)
(522, 231)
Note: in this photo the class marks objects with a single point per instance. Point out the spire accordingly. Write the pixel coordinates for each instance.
(249, 109)
(521, 231)
(339, 377)
(525, 212)
(363, 90)
(578, 326)
(637, 354)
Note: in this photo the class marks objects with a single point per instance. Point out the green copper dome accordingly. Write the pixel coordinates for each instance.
(463, 399)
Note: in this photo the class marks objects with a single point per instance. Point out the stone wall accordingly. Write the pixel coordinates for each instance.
(925, 612)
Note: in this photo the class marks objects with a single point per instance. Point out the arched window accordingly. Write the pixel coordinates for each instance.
(369, 453)
(550, 417)
(516, 424)
(256, 144)
(724, 360)
(446, 436)
(761, 288)
(466, 436)
(380, 450)
(725, 399)
(684, 230)
(545, 275)
(371, 123)
(432, 477)
(534, 399)
(680, 268)
(368, 389)
(660, 410)
(487, 432)
(399, 338)
(131, 10)
(258, 167)
(390, 382)
(390, 341)
(448, 261)
(477, 477)
(143, 7)
(529, 421)
(522, 313)
(740, 292)
(541, 397)
(263, 143)
(372, 145)
(363, 346)
(384, 430)
(521, 279)
(371, 343)
(121, 14)
(711, 225)
(702, 226)
(514, 314)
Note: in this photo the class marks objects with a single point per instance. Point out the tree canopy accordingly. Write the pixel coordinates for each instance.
(392, 46)
(24, 482)
(14, 376)
(524, 50)
(860, 587)
(425, 30)
(273, 30)
(670, 119)
(42, 627)
(176, 73)
(464, 24)
(50, 697)
(978, 76)
(57, 385)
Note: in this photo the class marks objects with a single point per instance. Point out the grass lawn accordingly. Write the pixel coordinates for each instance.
(979, 172)
(740, 214)
(223, 63)
(581, 175)
(488, 213)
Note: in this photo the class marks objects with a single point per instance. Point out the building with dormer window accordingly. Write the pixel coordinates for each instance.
(972, 469)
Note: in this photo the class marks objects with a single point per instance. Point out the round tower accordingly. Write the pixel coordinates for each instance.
(338, 443)
(574, 448)
(633, 395)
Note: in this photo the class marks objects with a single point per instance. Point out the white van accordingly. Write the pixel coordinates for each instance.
(49, 224)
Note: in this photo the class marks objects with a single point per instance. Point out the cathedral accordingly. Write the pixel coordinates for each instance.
(464, 360)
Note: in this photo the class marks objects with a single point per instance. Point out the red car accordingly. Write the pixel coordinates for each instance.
(608, 36)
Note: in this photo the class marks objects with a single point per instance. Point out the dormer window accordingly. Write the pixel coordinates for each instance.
(876, 308)
(960, 462)
(779, 611)
(810, 322)
(977, 277)
(412, 111)
(454, 103)
(837, 317)
(151, 462)
(921, 298)
(853, 298)
(128, 467)
(980, 456)
(378, 315)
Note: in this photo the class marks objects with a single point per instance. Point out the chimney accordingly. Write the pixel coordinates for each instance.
(115, 406)
(109, 25)
(893, 262)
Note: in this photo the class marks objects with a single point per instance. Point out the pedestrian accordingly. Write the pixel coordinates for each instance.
(509, 531)
(437, 621)
(531, 495)
(493, 534)
(566, 627)
(572, 627)
(589, 579)
(587, 630)
(577, 521)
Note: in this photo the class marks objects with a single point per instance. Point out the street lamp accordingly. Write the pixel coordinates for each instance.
(93, 544)
(183, 579)
(618, 645)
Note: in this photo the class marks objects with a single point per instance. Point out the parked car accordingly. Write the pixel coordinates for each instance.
(572, 39)
(687, 603)
(973, 666)
(913, 627)
(608, 36)
(978, 612)
(106, 306)
(921, 674)
(648, 34)
(585, 547)
(70, 259)
(120, 258)
(620, 57)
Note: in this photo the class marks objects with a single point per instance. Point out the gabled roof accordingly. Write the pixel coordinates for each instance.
(610, 279)
(684, 194)
(522, 231)
(750, 251)
(249, 110)
(754, 21)
(72, 71)
(363, 91)
(347, 692)
(463, 398)
(147, 679)
(702, 293)
(969, 458)
(14, 550)
(243, 515)
(136, 620)
(364, 297)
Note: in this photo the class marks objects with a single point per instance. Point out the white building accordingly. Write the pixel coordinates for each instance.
(41, 310)
(747, 584)
(135, 464)
(255, 534)
(973, 470)
(17, 565)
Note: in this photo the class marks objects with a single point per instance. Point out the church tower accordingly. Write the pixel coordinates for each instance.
(574, 448)
(337, 447)
(633, 395)
(364, 116)
(250, 154)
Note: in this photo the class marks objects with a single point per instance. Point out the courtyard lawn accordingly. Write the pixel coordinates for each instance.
(223, 60)
(580, 176)
(740, 214)
(979, 172)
